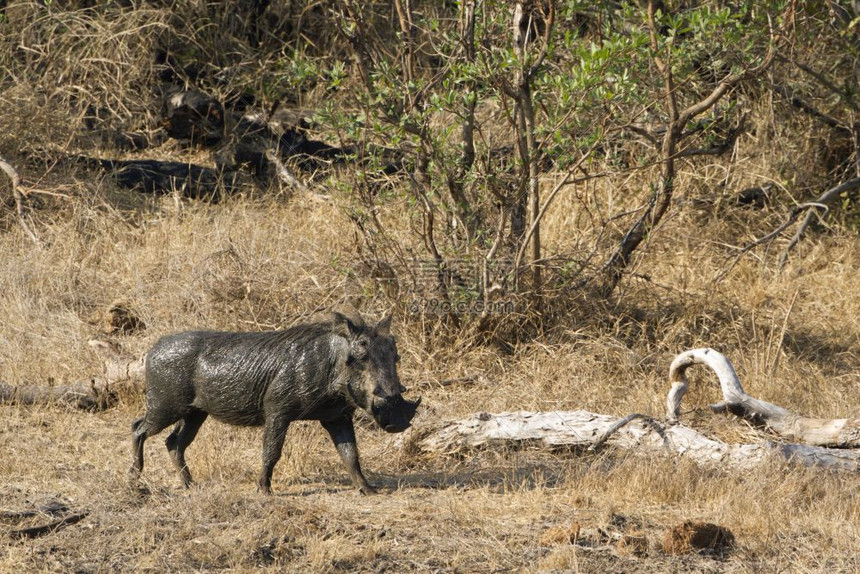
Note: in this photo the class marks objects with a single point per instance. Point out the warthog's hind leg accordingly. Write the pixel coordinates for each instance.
(180, 437)
(138, 437)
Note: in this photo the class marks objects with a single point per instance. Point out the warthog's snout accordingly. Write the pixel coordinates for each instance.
(394, 414)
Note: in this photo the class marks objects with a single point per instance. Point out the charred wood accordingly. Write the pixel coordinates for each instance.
(194, 116)
(165, 177)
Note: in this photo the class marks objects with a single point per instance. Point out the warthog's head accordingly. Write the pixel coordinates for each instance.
(373, 353)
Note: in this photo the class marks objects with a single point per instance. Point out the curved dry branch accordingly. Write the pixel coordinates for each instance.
(820, 202)
(811, 208)
(663, 193)
(585, 429)
(12, 173)
(809, 431)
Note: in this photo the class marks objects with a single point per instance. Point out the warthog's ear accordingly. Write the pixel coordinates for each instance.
(342, 325)
(383, 328)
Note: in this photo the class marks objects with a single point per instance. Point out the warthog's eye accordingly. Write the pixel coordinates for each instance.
(359, 348)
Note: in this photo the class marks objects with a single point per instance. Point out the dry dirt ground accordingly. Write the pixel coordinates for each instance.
(516, 511)
(519, 511)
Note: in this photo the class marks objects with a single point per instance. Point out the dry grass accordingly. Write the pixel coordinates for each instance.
(253, 263)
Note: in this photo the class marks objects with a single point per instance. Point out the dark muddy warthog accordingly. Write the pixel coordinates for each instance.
(321, 371)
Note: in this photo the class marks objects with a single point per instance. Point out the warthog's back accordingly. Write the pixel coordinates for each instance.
(236, 377)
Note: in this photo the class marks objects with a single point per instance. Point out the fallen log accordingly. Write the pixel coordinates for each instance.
(51, 508)
(119, 365)
(639, 433)
(79, 396)
(842, 433)
(123, 373)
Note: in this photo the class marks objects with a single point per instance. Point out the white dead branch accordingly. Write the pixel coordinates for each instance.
(644, 434)
(284, 174)
(812, 431)
(288, 179)
(637, 433)
(119, 365)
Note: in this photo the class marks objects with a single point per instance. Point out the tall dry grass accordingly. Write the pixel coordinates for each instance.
(258, 263)
(266, 262)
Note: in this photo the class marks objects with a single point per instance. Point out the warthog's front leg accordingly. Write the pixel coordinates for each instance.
(342, 433)
(273, 444)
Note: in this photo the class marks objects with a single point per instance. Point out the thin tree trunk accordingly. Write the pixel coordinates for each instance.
(529, 65)
(407, 31)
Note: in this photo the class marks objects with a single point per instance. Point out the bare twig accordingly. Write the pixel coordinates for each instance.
(792, 217)
(19, 198)
(822, 79)
(820, 203)
(720, 148)
(624, 422)
(287, 178)
(811, 208)
(540, 214)
(11, 172)
(809, 110)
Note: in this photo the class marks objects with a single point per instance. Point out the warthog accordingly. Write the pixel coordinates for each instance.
(320, 371)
